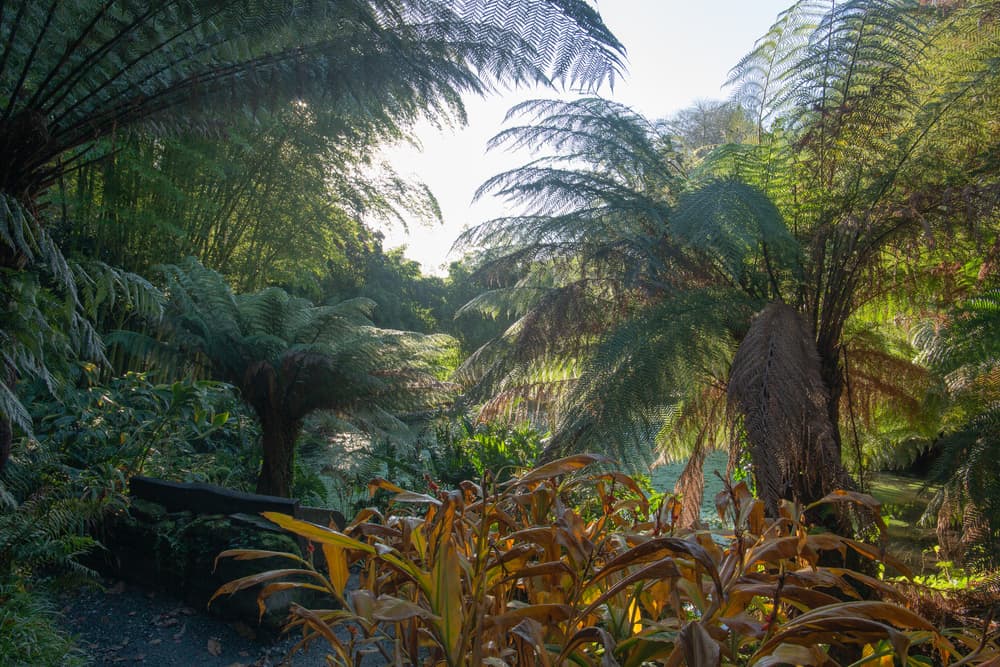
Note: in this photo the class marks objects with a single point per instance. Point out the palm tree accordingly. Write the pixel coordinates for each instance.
(75, 72)
(289, 358)
(657, 296)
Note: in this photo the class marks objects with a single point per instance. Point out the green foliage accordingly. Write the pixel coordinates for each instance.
(277, 200)
(47, 317)
(406, 299)
(290, 358)
(192, 431)
(966, 353)
(468, 450)
(29, 634)
(48, 509)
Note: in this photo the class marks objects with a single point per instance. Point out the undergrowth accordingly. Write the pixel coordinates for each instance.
(513, 574)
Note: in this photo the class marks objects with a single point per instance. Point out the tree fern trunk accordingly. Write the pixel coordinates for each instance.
(776, 385)
(278, 436)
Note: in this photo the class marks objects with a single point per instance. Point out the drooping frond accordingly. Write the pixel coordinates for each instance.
(737, 228)
(555, 327)
(856, 80)
(594, 130)
(74, 72)
(565, 38)
(778, 396)
(969, 337)
(882, 378)
(644, 369)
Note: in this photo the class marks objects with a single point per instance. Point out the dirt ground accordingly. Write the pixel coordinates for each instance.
(123, 625)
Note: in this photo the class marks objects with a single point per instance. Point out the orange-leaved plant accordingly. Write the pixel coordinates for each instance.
(513, 574)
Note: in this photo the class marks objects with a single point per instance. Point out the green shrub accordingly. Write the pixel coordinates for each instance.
(186, 431)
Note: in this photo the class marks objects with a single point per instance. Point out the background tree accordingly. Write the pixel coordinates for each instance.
(660, 294)
(276, 201)
(289, 358)
(707, 124)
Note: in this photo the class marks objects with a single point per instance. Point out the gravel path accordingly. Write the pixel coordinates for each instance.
(124, 625)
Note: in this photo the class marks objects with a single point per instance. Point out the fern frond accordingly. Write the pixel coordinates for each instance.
(643, 370)
(739, 227)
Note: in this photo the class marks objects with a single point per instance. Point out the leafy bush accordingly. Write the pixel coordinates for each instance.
(188, 431)
(467, 450)
(420, 456)
(510, 574)
(47, 511)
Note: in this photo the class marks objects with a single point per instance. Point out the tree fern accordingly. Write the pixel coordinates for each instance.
(289, 358)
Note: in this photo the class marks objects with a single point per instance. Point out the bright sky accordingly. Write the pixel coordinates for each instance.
(679, 51)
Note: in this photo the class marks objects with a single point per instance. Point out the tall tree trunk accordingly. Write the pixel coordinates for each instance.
(278, 435)
(7, 378)
(776, 385)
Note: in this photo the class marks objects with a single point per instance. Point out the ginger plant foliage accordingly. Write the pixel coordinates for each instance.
(513, 574)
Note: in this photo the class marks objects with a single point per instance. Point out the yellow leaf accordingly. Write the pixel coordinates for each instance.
(316, 533)
(560, 467)
(446, 599)
(336, 563)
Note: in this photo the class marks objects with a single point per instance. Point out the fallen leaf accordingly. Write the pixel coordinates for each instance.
(155, 642)
(214, 647)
